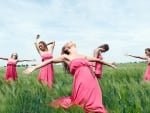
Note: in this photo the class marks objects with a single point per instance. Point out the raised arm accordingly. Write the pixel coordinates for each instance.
(52, 42)
(96, 51)
(2, 58)
(36, 43)
(140, 57)
(51, 49)
(95, 54)
(53, 60)
(93, 59)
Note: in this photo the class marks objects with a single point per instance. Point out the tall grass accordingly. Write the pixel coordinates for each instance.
(123, 91)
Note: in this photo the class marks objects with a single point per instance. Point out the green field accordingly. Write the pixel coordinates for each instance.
(123, 91)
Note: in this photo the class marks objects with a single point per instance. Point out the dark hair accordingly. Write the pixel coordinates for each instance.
(16, 55)
(65, 65)
(147, 49)
(105, 47)
(44, 43)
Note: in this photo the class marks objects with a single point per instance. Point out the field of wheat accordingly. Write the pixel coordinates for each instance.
(124, 91)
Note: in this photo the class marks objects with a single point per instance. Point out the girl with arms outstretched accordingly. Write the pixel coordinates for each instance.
(147, 58)
(11, 73)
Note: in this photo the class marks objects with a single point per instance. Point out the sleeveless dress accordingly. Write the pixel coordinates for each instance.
(46, 73)
(147, 73)
(86, 92)
(99, 67)
(11, 72)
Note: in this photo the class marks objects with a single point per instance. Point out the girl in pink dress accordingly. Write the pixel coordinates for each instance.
(88, 96)
(98, 67)
(147, 58)
(46, 73)
(11, 73)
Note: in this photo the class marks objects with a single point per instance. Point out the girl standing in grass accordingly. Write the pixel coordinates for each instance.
(98, 67)
(46, 73)
(147, 58)
(86, 91)
(11, 73)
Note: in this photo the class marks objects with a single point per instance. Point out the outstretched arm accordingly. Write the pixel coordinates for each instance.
(52, 46)
(27, 60)
(140, 57)
(3, 58)
(53, 60)
(93, 59)
(36, 44)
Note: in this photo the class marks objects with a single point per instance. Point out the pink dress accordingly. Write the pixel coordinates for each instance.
(98, 67)
(86, 92)
(46, 72)
(11, 72)
(147, 73)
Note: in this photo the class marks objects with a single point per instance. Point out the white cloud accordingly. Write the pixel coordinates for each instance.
(122, 24)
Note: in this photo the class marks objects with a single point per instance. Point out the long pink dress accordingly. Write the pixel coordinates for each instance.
(11, 72)
(99, 67)
(147, 73)
(86, 92)
(46, 73)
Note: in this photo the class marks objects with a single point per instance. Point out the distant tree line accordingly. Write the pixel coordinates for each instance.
(24, 65)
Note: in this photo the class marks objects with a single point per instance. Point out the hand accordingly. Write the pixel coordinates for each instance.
(101, 49)
(127, 54)
(53, 42)
(29, 70)
(34, 60)
(114, 65)
(37, 36)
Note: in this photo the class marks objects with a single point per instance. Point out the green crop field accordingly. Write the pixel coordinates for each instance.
(124, 91)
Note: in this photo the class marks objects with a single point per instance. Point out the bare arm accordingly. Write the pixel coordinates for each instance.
(52, 46)
(95, 54)
(36, 44)
(3, 58)
(93, 59)
(53, 60)
(96, 51)
(140, 57)
(50, 43)
(27, 60)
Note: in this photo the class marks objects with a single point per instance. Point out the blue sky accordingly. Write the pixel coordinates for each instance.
(123, 24)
